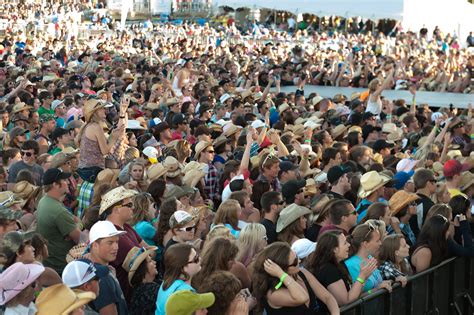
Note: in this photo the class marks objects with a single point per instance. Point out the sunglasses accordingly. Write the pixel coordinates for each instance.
(371, 229)
(281, 202)
(196, 259)
(210, 151)
(187, 229)
(28, 154)
(295, 262)
(128, 205)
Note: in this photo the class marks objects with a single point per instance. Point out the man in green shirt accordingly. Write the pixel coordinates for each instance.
(55, 223)
(46, 98)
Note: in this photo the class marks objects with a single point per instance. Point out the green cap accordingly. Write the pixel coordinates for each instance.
(12, 241)
(185, 302)
(45, 118)
(8, 213)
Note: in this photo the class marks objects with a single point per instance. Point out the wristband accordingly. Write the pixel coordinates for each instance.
(369, 291)
(282, 278)
(359, 279)
(307, 141)
(389, 116)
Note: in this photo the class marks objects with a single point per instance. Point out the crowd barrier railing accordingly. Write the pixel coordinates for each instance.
(442, 290)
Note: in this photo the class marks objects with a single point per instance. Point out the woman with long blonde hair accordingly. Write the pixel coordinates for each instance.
(92, 141)
(252, 239)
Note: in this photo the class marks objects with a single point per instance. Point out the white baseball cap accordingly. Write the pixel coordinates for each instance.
(258, 124)
(150, 152)
(55, 104)
(78, 272)
(303, 247)
(103, 229)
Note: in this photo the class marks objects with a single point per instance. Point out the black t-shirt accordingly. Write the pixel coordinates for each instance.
(110, 292)
(271, 230)
(329, 274)
(170, 243)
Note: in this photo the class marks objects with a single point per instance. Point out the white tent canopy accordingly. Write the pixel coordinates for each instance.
(451, 16)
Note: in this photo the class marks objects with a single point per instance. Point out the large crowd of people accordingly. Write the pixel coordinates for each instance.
(163, 171)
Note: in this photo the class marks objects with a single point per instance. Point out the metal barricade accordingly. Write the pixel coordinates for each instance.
(442, 290)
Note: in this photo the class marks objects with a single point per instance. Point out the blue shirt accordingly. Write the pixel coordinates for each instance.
(163, 295)
(353, 265)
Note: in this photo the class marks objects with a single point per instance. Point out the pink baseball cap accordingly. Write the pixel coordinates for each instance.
(16, 278)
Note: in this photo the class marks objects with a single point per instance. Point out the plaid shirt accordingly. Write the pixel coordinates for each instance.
(211, 182)
(389, 271)
(85, 197)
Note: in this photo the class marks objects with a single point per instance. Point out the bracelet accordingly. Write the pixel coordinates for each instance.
(307, 141)
(369, 291)
(282, 278)
(122, 117)
(359, 279)
(389, 116)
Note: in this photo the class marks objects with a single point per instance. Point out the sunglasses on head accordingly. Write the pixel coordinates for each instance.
(187, 229)
(371, 229)
(196, 260)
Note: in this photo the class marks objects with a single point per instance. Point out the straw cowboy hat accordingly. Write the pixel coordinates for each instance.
(219, 140)
(114, 196)
(289, 215)
(91, 106)
(106, 176)
(24, 189)
(193, 165)
(172, 167)
(400, 200)
(8, 199)
(76, 252)
(19, 107)
(61, 158)
(467, 180)
(135, 257)
(59, 299)
(370, 182)
(193, 177)
(201, 146)
(230, 129)
(156, 171)
(338, 130)
(283, 107)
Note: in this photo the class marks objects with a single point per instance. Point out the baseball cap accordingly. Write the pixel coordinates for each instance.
(55, 104)
(58, 132)
(78, 272)
(54, 174)
(162, 126)
(368, 129)
(180, 217)
(186, 302)
(454, 167)
(286, 166)
(73, 124)
(178, 119)
(291, 188)
(12, 241)
(401, 178)
(303, 247)
(150, 152)
(7, 213)
(382, 144)
(103, 229)
(45, 118)
(406, 165)
(258, 124)
(336, 172)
